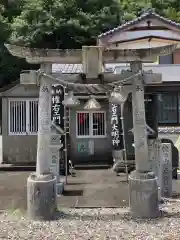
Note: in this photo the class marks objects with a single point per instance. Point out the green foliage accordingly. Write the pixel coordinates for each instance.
(65, 24)
(10, 67)
(73, 23)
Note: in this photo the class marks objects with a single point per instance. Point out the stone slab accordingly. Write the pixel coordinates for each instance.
(165, 177)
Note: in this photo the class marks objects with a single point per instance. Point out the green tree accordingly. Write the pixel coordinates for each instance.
(65, 23)
(10, 67)
(72, 23)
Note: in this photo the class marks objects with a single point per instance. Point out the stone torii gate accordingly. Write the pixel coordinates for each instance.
(41, 186)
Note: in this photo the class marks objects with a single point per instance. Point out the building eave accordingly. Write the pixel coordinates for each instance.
(149, 37)
(9, 87)
(170, 24)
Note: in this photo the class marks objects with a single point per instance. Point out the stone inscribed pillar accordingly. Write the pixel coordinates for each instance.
(166, 170)
(44, 124)
(139, 121)
(41, 186)
(143, 184)
(151, 118)
(154, 146)
(154, 155)
(157, 147)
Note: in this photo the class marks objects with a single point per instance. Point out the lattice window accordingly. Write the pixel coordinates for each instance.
(23, 116)
(98, 122)
(91, 124)
(168, 108)
(83, 124)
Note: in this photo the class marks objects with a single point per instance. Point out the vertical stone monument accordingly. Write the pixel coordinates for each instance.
(165, 176)
(55, 147)
(41, 186)
(154, 146)
(143, 184)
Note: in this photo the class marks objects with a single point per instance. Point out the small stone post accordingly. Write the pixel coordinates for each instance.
(154, 146)
(166, 170)
(143, 187)
(41, 186)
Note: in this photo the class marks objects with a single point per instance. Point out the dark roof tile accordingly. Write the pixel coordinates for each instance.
(75, 68)
(149, 13)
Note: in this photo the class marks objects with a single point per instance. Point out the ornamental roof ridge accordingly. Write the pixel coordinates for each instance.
(148, 13)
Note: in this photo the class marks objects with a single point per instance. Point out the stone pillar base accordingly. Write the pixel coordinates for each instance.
(143, 195)
(41, 197)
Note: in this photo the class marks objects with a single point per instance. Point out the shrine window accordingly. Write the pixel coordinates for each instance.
(23, 116)
(167, 59)
(169, 108)
(91, 124)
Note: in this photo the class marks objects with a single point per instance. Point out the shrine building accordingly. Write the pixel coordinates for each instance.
(90, 131)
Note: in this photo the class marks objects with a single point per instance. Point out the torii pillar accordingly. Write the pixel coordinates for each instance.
(41, 186)
(143, 188)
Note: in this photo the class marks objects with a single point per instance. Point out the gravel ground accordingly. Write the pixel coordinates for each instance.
(95, 223)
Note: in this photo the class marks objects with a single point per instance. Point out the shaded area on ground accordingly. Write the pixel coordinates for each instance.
(88, 188)
(101, 188)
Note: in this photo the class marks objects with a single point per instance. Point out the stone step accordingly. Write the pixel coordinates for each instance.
(91, 166)
(14, 168)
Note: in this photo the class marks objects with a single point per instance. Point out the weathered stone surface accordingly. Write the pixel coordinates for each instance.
(44, 123)
(41, 197)
(165, 174)
(139, 120)
(154, 146)
(143, 192)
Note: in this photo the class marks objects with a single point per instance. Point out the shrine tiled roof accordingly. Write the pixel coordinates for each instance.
(77, 68)
(149, 13)
(169, 130)
(67, 68)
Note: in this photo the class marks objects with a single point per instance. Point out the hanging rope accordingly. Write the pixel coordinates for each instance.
(89, 87)
(124, 80)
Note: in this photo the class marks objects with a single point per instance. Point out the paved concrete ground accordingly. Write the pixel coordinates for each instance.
(13, 190)
(95, 188)
(90, 188)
